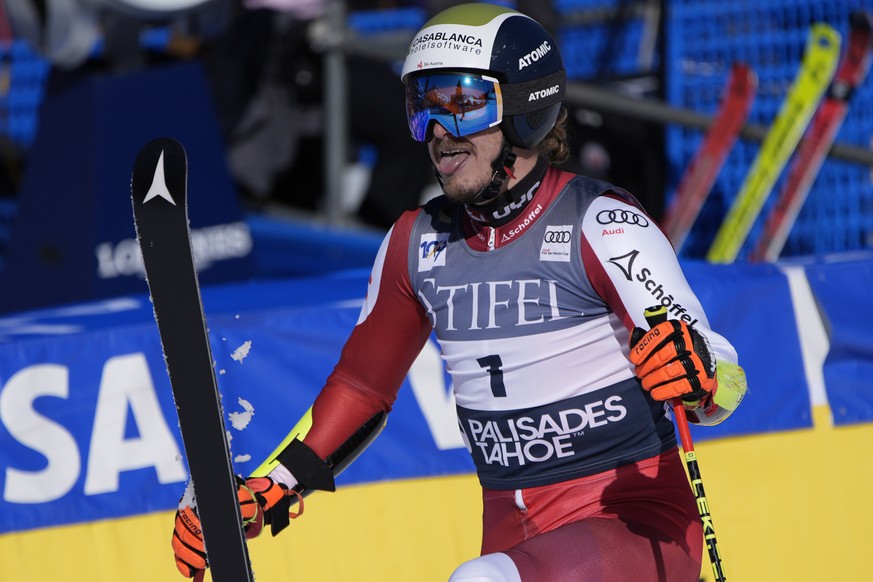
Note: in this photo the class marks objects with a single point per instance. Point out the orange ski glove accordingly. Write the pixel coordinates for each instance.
(259, 498)
(674, 360)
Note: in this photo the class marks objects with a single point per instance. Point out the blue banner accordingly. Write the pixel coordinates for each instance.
(751, 306)
(88, 427)
(844, 294)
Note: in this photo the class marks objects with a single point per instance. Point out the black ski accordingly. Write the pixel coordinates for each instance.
(159, 194)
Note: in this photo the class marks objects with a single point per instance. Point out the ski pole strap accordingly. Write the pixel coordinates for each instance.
(307, 467)
(280, 515)
(299, 512)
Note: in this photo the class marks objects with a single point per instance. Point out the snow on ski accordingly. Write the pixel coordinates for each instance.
(812, 80)
(159, 197)
(699, 176)
(812, 151)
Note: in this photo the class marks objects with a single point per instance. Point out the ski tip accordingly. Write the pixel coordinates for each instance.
(747, 75)
(824, 39)
(162, 144)
(160, 173)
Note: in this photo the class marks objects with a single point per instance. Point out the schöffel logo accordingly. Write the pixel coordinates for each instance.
(432, 251)
(643, 276)
(557, 242)
(626, 263)
(621, 216)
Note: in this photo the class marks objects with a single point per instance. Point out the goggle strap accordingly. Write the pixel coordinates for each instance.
(517, 96)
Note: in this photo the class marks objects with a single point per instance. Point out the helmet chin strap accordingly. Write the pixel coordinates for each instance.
(502, 167)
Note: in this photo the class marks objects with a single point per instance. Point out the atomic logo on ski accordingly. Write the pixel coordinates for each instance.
(159, 189)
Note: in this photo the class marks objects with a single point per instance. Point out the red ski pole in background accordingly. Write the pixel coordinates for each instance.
(654, 316)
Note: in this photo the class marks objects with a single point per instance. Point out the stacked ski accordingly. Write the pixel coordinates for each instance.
(812, 151)
(815, 74)
(696, 183)
(158, 189)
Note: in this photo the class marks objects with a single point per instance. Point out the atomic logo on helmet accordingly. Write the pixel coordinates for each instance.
(490, 42)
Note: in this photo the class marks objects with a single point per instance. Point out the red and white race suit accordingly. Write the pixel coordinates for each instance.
(533, 316)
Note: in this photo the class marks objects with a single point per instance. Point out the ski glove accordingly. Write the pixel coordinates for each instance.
(674, 360)
(259, 498)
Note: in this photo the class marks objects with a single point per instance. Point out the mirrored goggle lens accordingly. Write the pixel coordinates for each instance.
(463, 104)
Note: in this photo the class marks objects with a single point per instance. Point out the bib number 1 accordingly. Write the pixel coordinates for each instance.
(494, 366)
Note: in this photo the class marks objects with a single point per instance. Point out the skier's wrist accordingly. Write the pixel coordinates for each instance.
(281, 474)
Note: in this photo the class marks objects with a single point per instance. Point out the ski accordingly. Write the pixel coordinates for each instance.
(700, 175)
(814, 147)
(159, 197)
(812, 80)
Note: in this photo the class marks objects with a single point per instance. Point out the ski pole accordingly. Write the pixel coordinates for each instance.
(654, 316)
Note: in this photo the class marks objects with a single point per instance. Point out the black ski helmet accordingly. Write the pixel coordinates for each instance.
(503, 43)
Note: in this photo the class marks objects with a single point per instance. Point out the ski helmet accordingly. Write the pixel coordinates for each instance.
(502, 43)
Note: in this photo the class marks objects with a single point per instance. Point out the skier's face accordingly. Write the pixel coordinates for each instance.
(464, 163)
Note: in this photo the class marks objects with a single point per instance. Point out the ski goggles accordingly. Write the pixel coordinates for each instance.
(463, 103)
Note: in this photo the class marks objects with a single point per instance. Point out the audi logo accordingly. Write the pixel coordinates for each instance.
(557, 236)
(622, 217)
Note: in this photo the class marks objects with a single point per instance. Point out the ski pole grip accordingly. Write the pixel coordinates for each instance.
(655, 315)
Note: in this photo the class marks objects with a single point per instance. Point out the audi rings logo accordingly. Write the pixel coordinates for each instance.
(557, 236)
(557, 245)
(617, 216)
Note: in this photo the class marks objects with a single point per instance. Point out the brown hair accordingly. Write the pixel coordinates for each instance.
(556, 145)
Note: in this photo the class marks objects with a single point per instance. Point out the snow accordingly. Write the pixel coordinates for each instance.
(188, 499)
(240, 420)
(242, 352)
